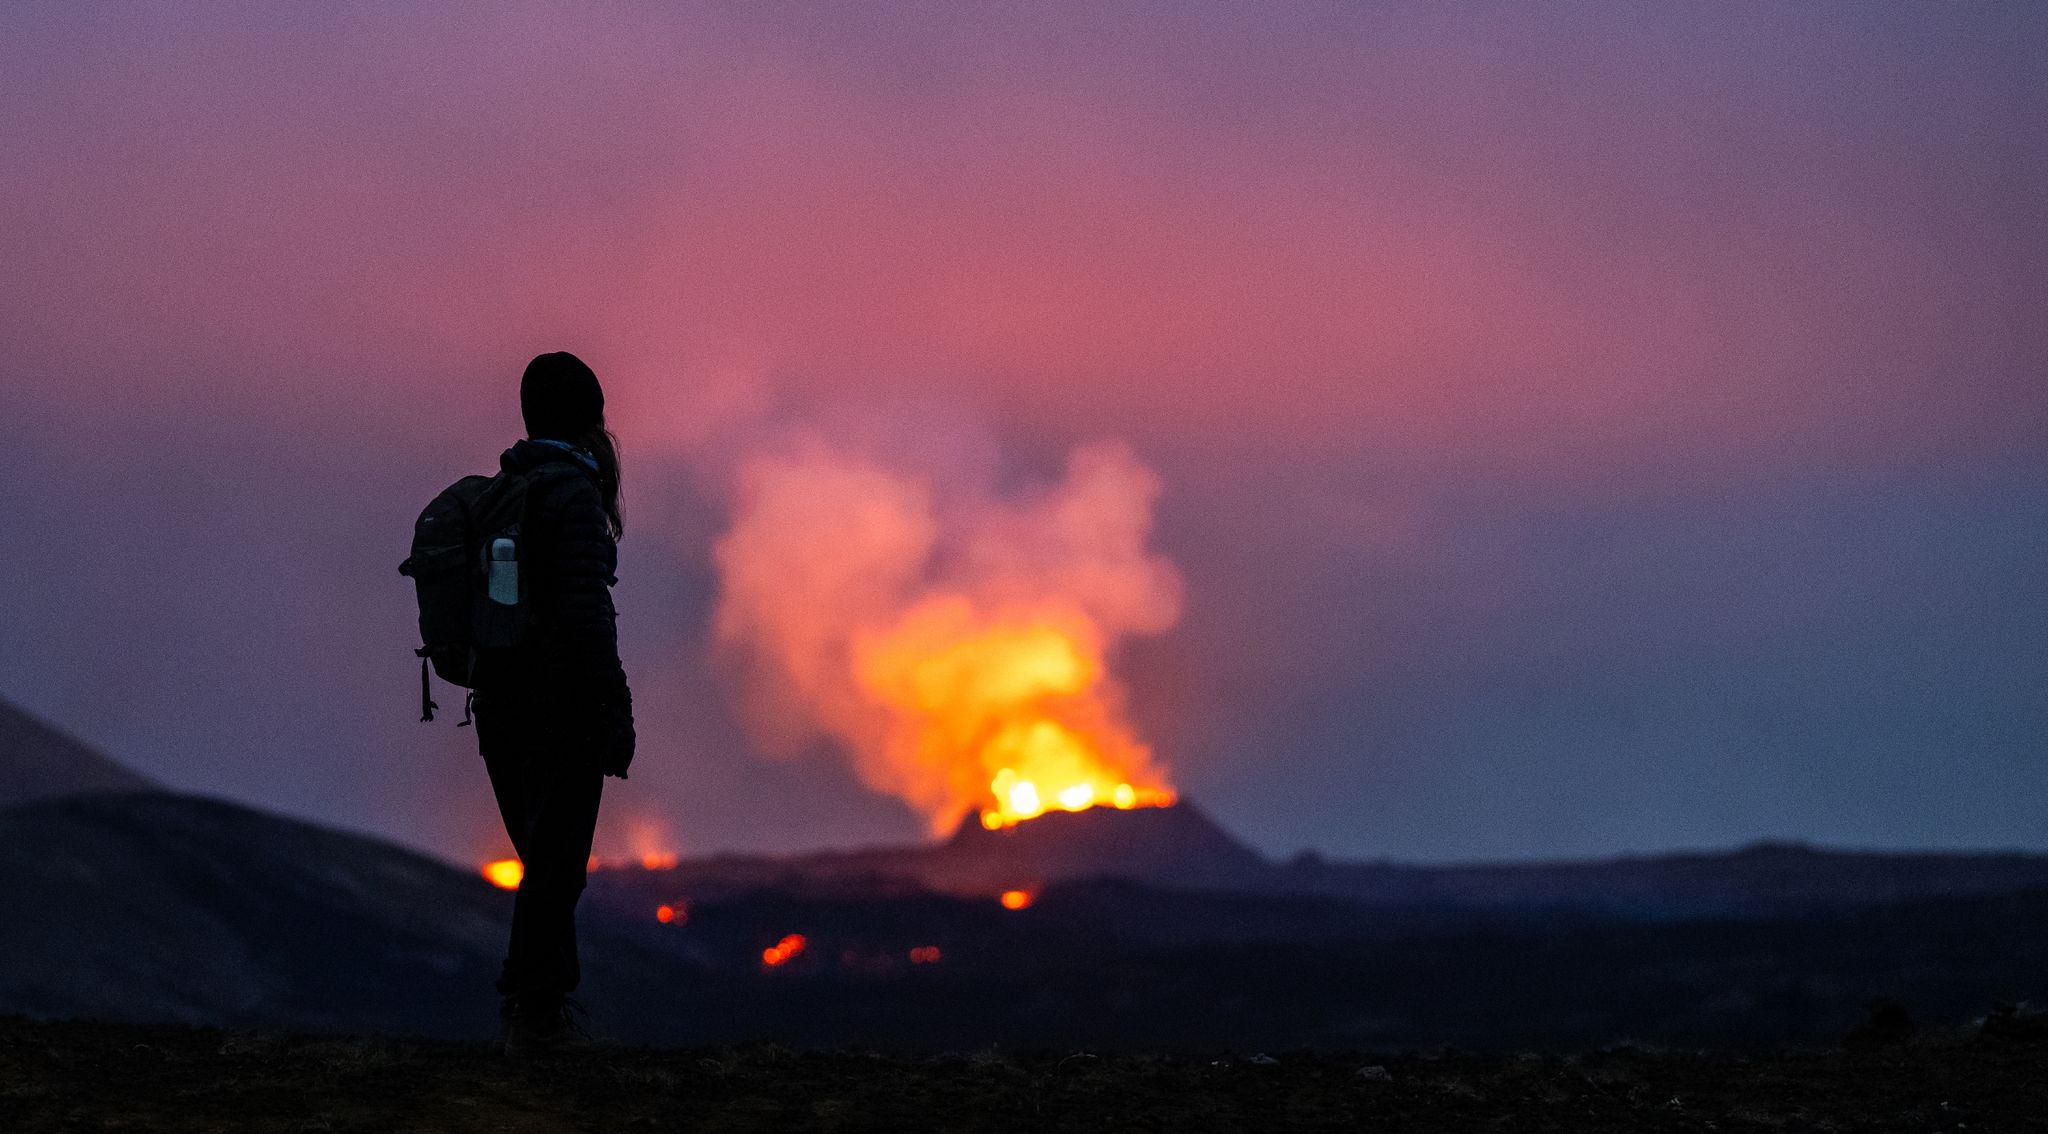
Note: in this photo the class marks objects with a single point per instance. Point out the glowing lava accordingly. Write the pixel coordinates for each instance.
(1012, 710)
(784, 950)
(504, 873)
(954, 638)
(1016, 899)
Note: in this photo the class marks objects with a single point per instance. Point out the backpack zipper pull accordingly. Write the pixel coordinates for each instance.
(427, 703)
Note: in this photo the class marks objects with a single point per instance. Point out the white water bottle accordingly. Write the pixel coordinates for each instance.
(503, 586)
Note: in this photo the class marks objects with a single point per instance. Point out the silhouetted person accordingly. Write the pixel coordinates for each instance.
(553, 714)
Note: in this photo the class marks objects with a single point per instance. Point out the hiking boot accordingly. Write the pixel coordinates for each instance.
(544, 1025)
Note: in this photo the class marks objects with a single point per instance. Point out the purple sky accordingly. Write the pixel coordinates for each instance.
(1584, 428)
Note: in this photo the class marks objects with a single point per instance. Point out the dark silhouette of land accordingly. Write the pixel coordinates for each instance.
(1182, 848)
(152, 906)
(1149, 931)
(41, 762)
(81, 1075)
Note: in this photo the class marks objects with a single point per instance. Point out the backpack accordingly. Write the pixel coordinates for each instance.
(464, 567)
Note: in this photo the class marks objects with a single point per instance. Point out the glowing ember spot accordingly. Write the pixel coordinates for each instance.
(783, 950)
(925, 955)
(658, 860)
(1125, 797)
(664, 914)
(1020, 796)
(505, 873)
(1016, 899)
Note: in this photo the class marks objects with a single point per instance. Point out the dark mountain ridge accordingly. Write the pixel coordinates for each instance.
(153, 906)
(1180, 847)
(37, 761)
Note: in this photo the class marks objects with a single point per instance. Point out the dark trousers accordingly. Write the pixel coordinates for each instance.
(547, 786)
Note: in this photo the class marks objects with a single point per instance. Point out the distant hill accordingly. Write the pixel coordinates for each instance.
(1166, 846)
(1181, 848)
(154, 906)
(1176, 846)
(1766, 879)
(39, 762)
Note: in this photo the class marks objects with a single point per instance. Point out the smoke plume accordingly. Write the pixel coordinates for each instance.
(954, 640)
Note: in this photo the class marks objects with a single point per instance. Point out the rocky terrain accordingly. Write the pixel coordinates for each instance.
(97, 1076)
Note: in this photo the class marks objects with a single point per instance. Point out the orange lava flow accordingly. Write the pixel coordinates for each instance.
(783, 950)
(1009, 716)
(505, 873)
(1016, 899)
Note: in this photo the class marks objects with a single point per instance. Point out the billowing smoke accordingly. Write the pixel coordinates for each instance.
(952, 639)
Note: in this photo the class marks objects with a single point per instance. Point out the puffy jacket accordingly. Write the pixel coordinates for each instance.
(568, 664)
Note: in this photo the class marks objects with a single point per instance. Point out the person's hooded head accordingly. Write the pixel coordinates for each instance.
(561, 400)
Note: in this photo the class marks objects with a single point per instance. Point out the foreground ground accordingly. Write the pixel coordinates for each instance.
(96, 1076)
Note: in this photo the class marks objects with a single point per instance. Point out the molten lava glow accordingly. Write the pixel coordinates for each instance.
(955, 640)
(1013, 711)
(652, 847)
(925, 955)
(1016, 899)
(666, 914)
(783, 950)
(505, 873)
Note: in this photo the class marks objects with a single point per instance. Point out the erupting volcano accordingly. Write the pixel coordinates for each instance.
(954, 641)
(1011, 713)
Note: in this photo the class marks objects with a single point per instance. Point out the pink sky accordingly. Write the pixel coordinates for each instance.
(1359, 283)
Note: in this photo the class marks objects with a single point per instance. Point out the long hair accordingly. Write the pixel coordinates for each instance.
(603, 444)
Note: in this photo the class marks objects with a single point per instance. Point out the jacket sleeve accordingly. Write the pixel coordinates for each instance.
(585, 621)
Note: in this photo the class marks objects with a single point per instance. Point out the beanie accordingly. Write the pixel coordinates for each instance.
(560, 397)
